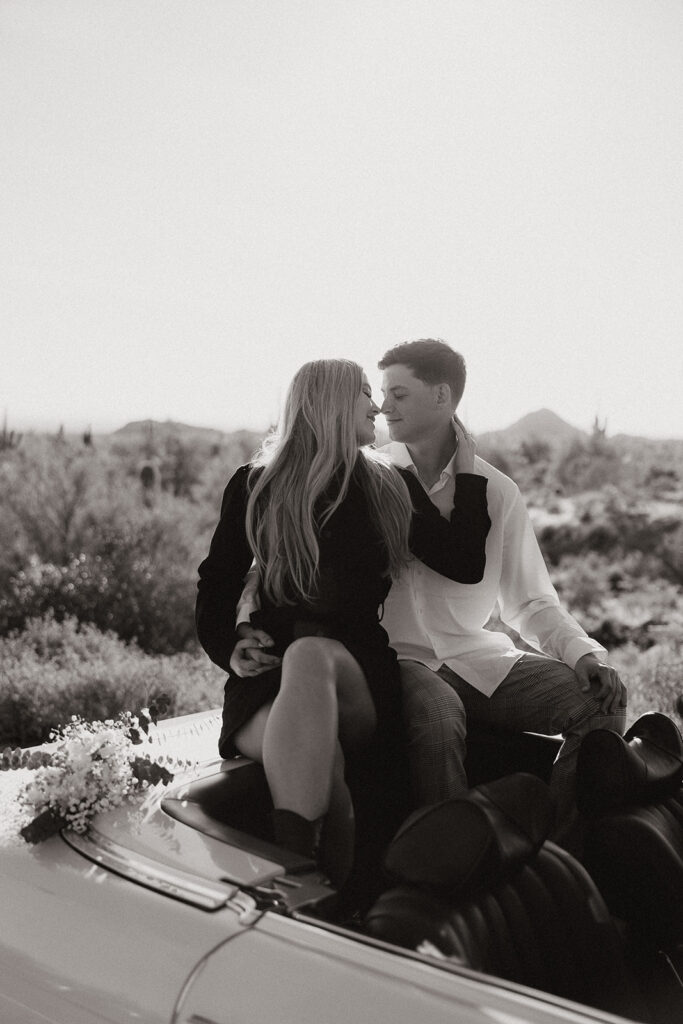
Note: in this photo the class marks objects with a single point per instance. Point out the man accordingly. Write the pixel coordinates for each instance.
(452, 668)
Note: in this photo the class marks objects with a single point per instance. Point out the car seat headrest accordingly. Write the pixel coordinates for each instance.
(472, 841)
(643, 766)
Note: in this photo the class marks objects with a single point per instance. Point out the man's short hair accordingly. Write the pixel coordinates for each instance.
(432, 361)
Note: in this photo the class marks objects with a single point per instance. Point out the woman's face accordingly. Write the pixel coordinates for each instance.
(366, 410)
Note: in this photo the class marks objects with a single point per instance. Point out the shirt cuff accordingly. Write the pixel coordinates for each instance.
(244, 610)
(582, 645)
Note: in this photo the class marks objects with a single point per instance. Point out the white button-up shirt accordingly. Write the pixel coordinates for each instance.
(436, 621)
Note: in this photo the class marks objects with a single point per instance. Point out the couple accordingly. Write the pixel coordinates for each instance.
(330, 524)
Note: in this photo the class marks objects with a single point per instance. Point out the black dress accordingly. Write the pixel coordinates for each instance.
(354, 582)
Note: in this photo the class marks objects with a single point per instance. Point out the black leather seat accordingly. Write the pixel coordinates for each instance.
(629, 788)
(493, 753)
(478, 880)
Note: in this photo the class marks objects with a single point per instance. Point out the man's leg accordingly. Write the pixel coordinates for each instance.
(435, 724)
(542, 695)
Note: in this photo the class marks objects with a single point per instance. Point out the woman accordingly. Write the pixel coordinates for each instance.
(328, 522)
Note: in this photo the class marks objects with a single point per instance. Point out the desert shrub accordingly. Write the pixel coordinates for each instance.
(46, 490)
(128, 596)
(661, 481)
(586, 465)
(615, 525)
(135, 574)
(583, 583)
(617, 603)
(654, 679)
(81, 534)
(671, 553)
(52, 670)
(591, 530)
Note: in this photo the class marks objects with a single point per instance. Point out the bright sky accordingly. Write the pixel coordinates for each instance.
(197, 196)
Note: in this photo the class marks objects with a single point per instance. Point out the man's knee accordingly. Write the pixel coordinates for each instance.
(595, 718)
(589, 714)
(429, 704)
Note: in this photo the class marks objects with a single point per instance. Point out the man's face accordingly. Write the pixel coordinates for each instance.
(411, 407)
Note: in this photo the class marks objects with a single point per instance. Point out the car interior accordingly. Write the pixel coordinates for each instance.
(477, 883)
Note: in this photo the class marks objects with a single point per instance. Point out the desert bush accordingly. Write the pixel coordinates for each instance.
(46, 488)
(616, 602)
(671, 553)
(135, 571)
(585, 465)
(611, 524)
(53, 670)
(126, 596)
(654, 679)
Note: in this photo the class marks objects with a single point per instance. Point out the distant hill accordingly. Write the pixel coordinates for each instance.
(156, 436)
(542, 425)
(143, 428)
(652, 464)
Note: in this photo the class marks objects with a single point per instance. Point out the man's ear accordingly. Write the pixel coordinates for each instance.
(443, 395)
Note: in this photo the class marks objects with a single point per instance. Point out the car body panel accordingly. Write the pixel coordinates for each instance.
(314, 974)
(106, 929)
(78, 940)
(147, 831)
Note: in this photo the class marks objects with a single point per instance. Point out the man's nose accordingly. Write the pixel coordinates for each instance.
(386, 405)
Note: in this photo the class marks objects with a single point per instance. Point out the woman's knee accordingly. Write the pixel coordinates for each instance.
(328, 666)
(312, 655)
(308, 663)
(322, 660)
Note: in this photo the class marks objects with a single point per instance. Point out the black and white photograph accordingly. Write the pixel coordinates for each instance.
(341, 511)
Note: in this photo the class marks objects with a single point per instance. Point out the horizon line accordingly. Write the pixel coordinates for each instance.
(54, 427)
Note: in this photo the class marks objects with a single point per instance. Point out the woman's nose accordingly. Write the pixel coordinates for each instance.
(375, 409)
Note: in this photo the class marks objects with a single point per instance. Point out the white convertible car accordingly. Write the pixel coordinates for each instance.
(179, 910)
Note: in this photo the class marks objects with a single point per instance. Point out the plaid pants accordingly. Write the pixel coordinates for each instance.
(539, 694)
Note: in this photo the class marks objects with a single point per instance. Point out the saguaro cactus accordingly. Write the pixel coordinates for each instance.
(9, 438)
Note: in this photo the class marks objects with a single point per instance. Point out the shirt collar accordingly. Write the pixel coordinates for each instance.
(449, 469)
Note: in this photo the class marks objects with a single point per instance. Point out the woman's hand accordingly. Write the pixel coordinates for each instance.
(467, 447)
(248, 657)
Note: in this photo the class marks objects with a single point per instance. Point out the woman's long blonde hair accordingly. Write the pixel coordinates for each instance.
(316, 444)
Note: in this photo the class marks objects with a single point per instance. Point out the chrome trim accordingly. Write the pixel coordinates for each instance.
(170, 881)
(246, 907)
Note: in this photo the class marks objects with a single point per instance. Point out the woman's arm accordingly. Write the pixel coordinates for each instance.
(221, 574)
(456, 548)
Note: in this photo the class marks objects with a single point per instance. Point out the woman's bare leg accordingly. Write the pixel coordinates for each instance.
(323, 699)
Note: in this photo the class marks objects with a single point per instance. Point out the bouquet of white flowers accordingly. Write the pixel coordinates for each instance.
(85, 768)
